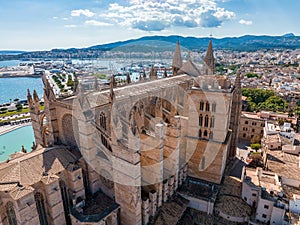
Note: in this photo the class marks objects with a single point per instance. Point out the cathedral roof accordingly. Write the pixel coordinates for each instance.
(42, 164)
(136, 89)
(190, 68)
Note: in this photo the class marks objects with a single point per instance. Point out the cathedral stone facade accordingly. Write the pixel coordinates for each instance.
(119, 154)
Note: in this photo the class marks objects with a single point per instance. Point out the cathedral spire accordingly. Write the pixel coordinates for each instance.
(177, 60)
(209, 57)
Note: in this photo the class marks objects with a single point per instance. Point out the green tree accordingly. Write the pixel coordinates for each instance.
(297, 110)
(274, 103)
(19, 107)
(251, 75)
(255, 146)
(257, 95)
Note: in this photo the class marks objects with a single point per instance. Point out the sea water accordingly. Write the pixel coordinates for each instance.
(12, 141)
(16, 87)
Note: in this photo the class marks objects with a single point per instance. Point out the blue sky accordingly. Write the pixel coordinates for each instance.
(43, 25)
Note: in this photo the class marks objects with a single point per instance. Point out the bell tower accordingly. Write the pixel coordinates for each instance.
(235, 115)
(209, 59)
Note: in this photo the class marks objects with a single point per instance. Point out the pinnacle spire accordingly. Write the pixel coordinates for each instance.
(29, 97)
(96, 84)
(177, 60)
(111, 91)
(152, 73)
(165, 72)
(35, 96)
(128, 79)
(209, 57)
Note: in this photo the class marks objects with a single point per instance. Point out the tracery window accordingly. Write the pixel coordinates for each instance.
(201, 105)
(200, 120)
(213, 107)
(211, 135)
(103, 120)
(206, 121)
(207, 106)
(212, 122)
(65, 199)
(200, 134)
(40, 205)
(203, 163)
(11, 215)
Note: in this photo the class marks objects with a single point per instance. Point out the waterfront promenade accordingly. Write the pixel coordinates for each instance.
(7, 128)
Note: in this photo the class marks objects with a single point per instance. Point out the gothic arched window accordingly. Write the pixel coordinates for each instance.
(211, 135)
(40, 206)
(203, 163)
(212, 122)
(206, 121)
(213, 107)
(205, 133)
(200, 134)
(65, 199)
(200, 120)
(201, 105)
(105, 142)
(207, 106)
(103, 120)
(11, 215)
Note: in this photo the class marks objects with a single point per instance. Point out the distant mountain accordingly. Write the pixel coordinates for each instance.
(10, 52)
(244, 43)
(289, 35)
(152, 44)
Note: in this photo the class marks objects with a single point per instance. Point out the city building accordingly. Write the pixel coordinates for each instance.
(262, 191)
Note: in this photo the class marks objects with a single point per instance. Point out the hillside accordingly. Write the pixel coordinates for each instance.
(165, 43)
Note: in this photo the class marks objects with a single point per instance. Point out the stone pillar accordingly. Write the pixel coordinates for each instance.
(145, 209)
(159, 194)
(127, 179)
(185, 172)
(152, 158)
(153, 202)
(180, 177)
(176, 180)
(170, 184)
(165, 191)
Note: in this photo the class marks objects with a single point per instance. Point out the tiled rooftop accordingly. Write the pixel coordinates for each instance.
(282, 166)
(30, 168)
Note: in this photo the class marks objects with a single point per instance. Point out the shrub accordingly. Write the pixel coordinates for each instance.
(255, 146)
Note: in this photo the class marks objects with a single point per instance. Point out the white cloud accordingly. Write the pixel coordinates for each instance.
(65, 18)
(84, 12)
(245, 22)
(157, 15)
(55, 17)
(97, 23)
(70, 26)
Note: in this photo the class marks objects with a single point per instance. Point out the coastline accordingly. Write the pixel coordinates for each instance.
(28, 75)
(8, 128)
